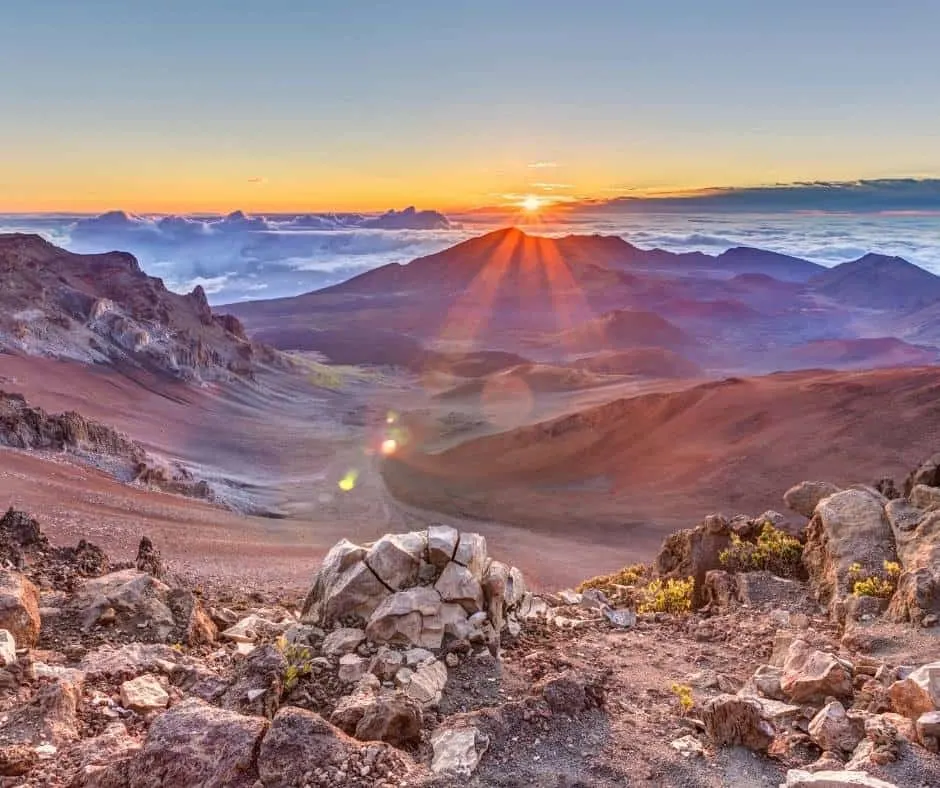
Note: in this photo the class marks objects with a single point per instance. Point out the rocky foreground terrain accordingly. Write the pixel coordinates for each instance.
(750, 653)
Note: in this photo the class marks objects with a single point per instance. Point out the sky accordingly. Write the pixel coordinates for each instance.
(313, 106)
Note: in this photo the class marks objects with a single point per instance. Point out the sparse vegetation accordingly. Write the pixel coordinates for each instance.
(613, 583)
(774, 550)
(299, 659)
(667, 596)
(683, 693)
(881, 585)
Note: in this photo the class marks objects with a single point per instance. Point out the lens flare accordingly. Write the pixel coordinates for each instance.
(389, 446)
(348, 482)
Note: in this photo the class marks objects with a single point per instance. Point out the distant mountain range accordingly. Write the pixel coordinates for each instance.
(551, 299)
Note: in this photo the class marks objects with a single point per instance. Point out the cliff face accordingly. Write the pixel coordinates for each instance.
(103, 308)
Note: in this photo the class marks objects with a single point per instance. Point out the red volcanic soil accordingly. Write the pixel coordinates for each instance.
(879, 352)
(623, 328)
(651, 362)
(652, 463)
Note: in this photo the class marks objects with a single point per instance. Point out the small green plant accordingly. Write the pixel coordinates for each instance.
(619, 586)
(774, 550)
(683, 693)
(299, 662)
(881, 585)
(666, 596)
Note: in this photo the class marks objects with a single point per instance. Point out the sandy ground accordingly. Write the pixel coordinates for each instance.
(560, 505)
(289, 444)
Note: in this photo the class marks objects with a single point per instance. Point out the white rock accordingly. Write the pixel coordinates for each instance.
(471, 553)
(569, 597)
(515, 588)
(442, 542)
(457, 584)
(797, 778)
(687, 746)
(352, 667)
(7, 647)
(144, 694)
(342, 641)
(457, 751)
(247, 630)
(427, 683)
(415, 656)
(396, 558)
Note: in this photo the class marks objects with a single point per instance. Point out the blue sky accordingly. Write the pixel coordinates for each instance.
(357, 105)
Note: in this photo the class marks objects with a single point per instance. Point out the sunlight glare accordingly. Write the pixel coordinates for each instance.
(389, 447)
(531, 204)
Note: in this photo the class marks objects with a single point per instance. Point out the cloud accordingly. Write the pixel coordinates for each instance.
(550, 187)
(906, 195)
(257, 180)
(543, 165)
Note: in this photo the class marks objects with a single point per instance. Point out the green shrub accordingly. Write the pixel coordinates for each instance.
(774, 550)
(299, 662)
(666, 596)
(881, 585)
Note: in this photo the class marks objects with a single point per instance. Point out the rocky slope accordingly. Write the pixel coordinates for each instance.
(751, 652)
(103, 308)
(26, 427)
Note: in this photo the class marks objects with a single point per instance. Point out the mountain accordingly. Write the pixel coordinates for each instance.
(860, 353)
(103, 308)
(879, 282)
(651, 362)
(622, 329)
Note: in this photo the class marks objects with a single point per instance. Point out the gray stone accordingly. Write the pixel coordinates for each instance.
(342, 641)
(834, 730)
(797, 778)
(427, 683)
(458, 584)
(144, 694)
(622, 619)
(457, 751)
(803, 498)
(396, 559)
(442, 542)
(471, 553)
(351, 668)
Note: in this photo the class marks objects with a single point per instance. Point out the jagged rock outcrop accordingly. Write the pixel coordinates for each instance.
(19, 607)
(848, 528)
(694, 552)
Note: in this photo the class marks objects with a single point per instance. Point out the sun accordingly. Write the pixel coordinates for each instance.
(530, 204)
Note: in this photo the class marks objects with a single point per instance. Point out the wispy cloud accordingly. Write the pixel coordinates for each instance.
(543, 165)
(550, 187)
(257, 180)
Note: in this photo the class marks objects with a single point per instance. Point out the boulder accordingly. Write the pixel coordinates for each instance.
(404, 616)
(343, 587)
(457, 751)
(138, 604)
(719, 590)
(924, 497)
(694, 552)
(144, 694)
(59, 702)
(197, 744)
(352, 667)
(928, 730)
(125, 662)
(766, 681)
(917, 535)
(849, 527)
(731, 720)
(457, 584)
(927, 473)
(797, 778)
(833, 729)
(471, 553)
(342, 641)
(442, 543)
(19, 608)
(396, 559)
(803, 498)
(394, 718)
(304, 749)
(427, 683)
(148, 558)
(918, 693)
(813, 676)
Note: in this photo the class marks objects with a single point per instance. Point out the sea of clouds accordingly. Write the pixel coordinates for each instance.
(241, 257)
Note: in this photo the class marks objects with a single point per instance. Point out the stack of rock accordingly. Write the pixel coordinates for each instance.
(418, 589)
